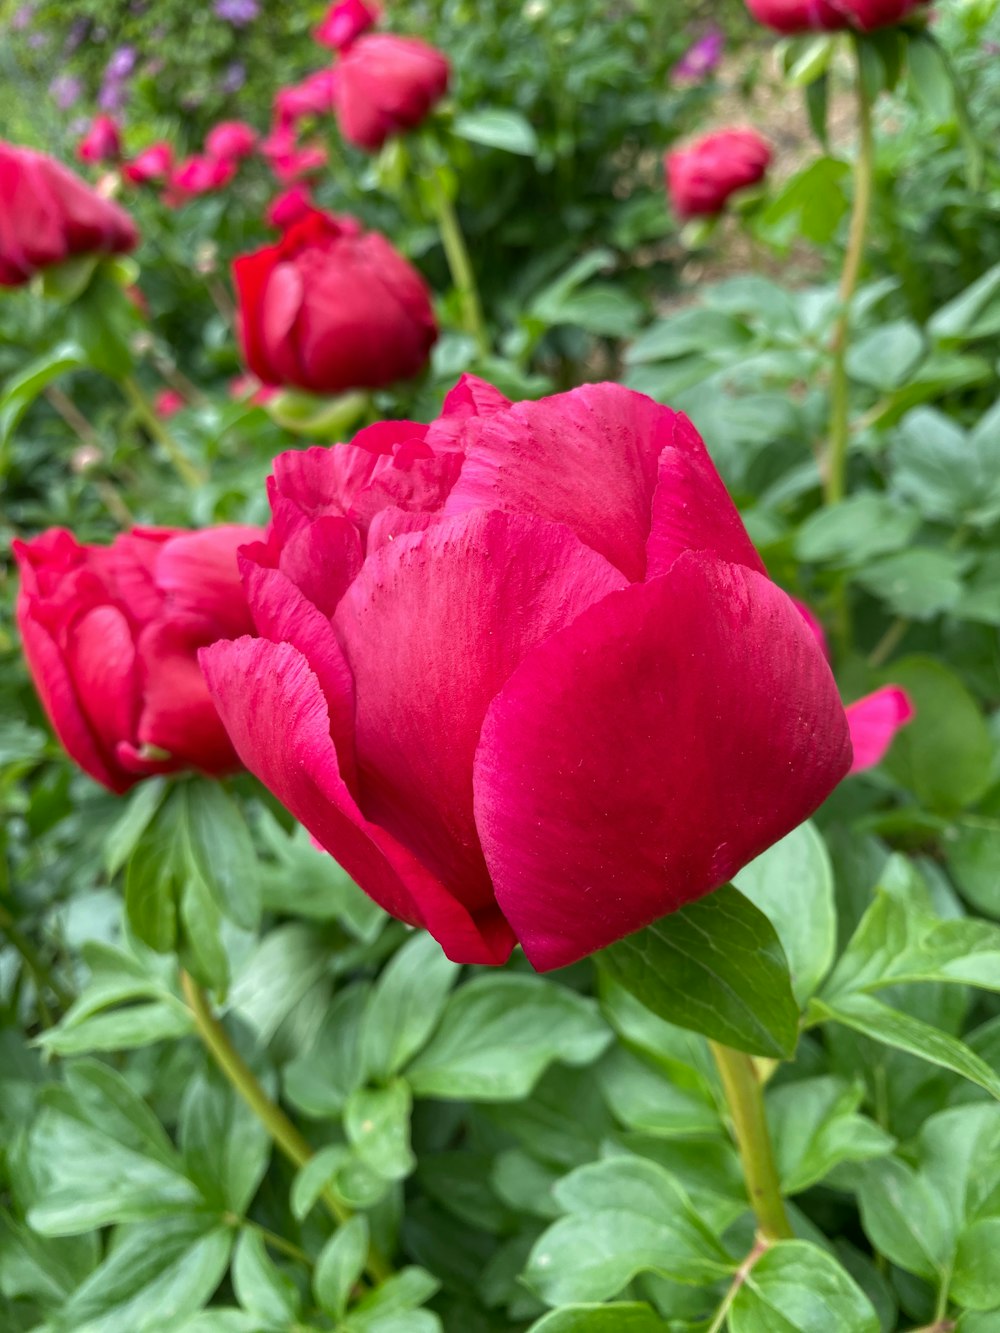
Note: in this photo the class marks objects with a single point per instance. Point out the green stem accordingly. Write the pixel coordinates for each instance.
(272, 1238)
(745, 1100)
(457, 254)
(33, 961)
(761, 1246)
(186, 470)
(836, 472)
(243, 1080)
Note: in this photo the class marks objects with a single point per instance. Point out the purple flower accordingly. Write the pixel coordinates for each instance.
(36, 40)
(76, 36)
(121, 64)
(113, 96)
(65, 90)
(234, 77)
(22, 18)
(237, 12)
(701, 58)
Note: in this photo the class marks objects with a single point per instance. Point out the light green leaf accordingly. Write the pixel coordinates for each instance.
(222, 852)
(121, 1030)
(500, 1032)
(904, 1218)
(710, 332)
(140, 807)
(313, 1178)
(405, 1005)
(624, 1216)
(796, 1287)
(946, 472)
(945, 755)
(974, 313)
(157, 1274)
(320, 1080)
(20, 391)
(899, 1030)
(975, 1279)
(377, 1124)
(886, 357)
(340, 1265)
(815, 1126)
(918, 584)
(792, 884)
(648, 1101)
(260, 1287)
(856, 530)
(226, 1148)
(717, 967)
(625, 1317)
(498, 127)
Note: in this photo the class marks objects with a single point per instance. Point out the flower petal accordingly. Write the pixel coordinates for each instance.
(432, 628)
(874, 721)
(587, 458)
(276, 715)
(636, 760)
(692, 510)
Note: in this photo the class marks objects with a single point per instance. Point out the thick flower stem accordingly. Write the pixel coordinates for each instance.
(457, 254)
(745, 1099)
(186, 470)
(836, 464)
(242, 1079)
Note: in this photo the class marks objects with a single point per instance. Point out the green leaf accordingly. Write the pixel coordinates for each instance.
(626, 1317)
(405, 1005)
(975, 1279)
(202, 951)
(972, 850)
(260, 1287)
(20, 391)
(904, 1218)
(805, 59)
(918, 584)
(811, 204)
(796, 1287)
(815, 1126)
(397, 1296)
(313, 1178)
(899, 1030)
(625, 1216)
(946, 472)
(856, 530)
(377, 1124)
(929, 78)
(646, 1100)
(498, 127)
(151, 885)
(121, 1030)
(158, 1273)
(886, 357)
(340, 1265)
(974, 313)
(817, 99)
(226, 1148)
(222, 852)
(792, 884)
(140, 807)
(717, 967)
(700, 330)
(291, 963)
(308, 882)
(104, 1156)
(500, 1032)
(945, 755)
(320, 1080)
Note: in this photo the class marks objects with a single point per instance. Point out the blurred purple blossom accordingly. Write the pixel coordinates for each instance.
(36, 40)
(76, 36)
(121, 64)
(22, 18)
(234, 78)
(113, 96)
(78, 126)
(701, 58)
(237, 12)
(65, 90)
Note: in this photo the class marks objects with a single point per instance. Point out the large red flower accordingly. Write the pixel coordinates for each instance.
(48, 215)
(332, 307)
(111, 636)
(522, 672)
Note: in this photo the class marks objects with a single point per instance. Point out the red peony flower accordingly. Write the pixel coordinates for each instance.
(111, 636)
(332, 307)
(523, 673)
(701, 177)
(154, 163)
(48, 215)
(791, 16)
(290, 207)
(387, 85)
(344, 22)
(102, 142)
(230, 140)
(198, 175)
